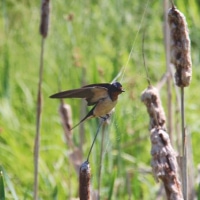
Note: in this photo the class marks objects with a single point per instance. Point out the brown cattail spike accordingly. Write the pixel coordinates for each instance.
(44, 24)
(164, 164)
(66, 119)
(84, 181)
(180, 47)
(150, 97)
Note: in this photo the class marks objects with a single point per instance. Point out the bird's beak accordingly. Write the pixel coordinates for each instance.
(122, 90)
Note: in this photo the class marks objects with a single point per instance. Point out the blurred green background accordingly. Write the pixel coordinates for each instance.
(88, 42)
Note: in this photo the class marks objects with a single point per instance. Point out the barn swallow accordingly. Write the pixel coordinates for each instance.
(103, 96)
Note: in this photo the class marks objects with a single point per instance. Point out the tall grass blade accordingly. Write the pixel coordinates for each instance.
(2, 191)
(6, 73)
(9, 183)
(112, 182)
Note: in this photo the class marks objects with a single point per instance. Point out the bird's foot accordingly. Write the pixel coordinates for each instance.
(107, 116)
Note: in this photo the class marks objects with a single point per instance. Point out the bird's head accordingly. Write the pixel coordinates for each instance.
(115, 90)
(117, 87)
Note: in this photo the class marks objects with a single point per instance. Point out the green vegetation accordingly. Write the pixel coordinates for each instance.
(88, 42)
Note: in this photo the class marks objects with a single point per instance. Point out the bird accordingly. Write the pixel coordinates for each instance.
(102, 96)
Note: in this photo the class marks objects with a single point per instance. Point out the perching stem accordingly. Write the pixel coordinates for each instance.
(94, 140)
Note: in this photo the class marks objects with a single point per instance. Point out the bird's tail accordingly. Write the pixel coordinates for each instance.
(88, 116)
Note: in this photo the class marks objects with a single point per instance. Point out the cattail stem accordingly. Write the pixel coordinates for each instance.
(43, 31)
(183, 120)
(38, 121)
(184, 148)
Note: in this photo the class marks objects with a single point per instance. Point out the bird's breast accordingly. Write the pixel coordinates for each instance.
(104, 107)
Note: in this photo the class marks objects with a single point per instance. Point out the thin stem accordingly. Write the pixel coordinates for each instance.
(101, 158)
(167, 54)
(144, 63)
(183, 121)
(184, 148)
(94, 140)
(38, 120)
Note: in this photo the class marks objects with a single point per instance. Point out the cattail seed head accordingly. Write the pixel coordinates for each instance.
(84, 181)
(162, 151)
(44, 24)
(164, 164)
(66, 115)
(150, 97)
(180, 47)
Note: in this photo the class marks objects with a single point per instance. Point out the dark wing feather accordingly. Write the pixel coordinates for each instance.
(77, 93)
(92, 93)
(105, 85)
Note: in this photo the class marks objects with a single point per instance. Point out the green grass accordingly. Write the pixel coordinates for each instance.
(91, 48)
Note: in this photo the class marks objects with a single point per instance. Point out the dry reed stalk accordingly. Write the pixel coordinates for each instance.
(66, 118)
(84, 181)
(150, 97)
(169, 79)
(44, 23)
(180, 47)
(164, 164)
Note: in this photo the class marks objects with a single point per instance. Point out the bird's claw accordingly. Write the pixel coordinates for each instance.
(107, 116)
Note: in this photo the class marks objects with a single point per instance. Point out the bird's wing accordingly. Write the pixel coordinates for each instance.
(92, 93)
(99, 91)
